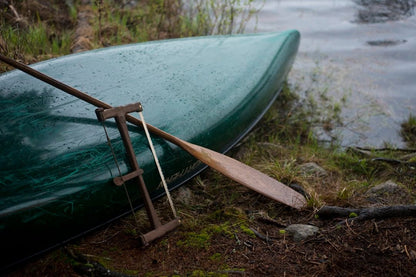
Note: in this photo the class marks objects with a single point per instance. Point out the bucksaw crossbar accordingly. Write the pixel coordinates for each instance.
(119, 114)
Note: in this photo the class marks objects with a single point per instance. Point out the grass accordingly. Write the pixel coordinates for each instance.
(285, 140)
(33, 31)
(408, 131)
(209, 17)
(37, 40)
(34, 43)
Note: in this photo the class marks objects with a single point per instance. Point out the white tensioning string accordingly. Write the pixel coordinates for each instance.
(149, 139)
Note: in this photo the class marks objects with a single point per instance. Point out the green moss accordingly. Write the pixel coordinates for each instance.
(216, 257)
(131, 272)
(196, 240)
(247, 230)
(227, 214)
(224, 229)
(352, 215)
(201, 273)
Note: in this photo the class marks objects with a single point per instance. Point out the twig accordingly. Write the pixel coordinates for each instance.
(271, 221)
(106, 239)
(19, 19)
(16, 14)
(259, 235)
(407, 252)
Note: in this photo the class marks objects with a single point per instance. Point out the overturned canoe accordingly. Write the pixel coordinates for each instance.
(56, 167)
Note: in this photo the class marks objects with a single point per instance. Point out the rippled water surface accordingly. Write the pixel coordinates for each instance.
(363, 52)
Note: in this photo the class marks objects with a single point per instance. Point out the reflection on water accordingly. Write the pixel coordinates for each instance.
(359, 50)
(376, 11)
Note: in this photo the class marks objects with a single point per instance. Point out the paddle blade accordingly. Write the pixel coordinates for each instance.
(247, 176)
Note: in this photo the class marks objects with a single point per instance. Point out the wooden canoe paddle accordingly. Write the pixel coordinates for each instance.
(235, 170)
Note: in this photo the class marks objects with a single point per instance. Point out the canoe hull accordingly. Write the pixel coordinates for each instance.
(56, 167)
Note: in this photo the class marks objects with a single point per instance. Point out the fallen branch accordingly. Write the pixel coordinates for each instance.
(393, 161)
(371, 155)
(382, 149)
(327, 212)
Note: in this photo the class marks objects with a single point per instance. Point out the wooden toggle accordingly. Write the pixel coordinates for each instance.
(118, 181)
(119, 113)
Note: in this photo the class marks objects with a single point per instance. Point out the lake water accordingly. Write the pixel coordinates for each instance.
(361, 54)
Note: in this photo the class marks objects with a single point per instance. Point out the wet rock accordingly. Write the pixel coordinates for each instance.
(129, 3)
(302, 231)
(378, 11)
(312, 168)
(386, 42)
(388, 193)
(299, 189)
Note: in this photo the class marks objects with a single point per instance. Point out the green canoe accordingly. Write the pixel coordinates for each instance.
(56, 168)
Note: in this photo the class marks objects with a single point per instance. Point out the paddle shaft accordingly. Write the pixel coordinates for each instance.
(83, 96)
(231, 168)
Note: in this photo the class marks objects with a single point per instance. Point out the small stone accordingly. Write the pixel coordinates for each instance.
(388, 193)
(383, 188)
(273, 149)
(302, 231)
(312, 168)
(184, 195)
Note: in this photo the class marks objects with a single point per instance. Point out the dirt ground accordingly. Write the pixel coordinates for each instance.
(383, 248)
(218, 240)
